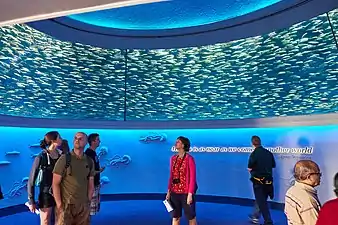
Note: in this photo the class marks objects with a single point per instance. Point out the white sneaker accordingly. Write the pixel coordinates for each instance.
(253, 219)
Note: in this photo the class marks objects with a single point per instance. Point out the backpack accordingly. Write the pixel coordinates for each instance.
(68, 162)
(44, 162)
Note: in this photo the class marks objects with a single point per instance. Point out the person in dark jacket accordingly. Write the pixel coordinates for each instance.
(41, 175)
(261, 162)
(94, 142)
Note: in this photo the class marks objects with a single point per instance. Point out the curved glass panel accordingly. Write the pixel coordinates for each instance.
(288, 72)
(334, 21)
(44, 77)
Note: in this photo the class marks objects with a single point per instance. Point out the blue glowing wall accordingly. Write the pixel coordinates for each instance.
(288, 72)
(142, 158)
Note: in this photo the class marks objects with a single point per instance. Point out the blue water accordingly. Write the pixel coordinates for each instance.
(288, 72)
(154, 213)
(172, 13)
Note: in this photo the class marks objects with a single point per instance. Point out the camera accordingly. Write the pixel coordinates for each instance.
(176, 181)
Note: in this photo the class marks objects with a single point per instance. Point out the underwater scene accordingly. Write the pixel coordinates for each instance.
(333, 17)
(287, 72)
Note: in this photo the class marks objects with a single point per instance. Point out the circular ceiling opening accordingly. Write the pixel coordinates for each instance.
(171, 14)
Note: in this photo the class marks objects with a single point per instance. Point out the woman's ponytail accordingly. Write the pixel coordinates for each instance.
(43, 144)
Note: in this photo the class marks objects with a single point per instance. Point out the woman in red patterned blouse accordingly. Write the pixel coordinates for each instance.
(182, 183)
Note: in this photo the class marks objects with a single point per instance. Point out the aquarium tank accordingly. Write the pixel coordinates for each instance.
(286, 72)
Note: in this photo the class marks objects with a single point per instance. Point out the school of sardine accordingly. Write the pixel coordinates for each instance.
(288, 72)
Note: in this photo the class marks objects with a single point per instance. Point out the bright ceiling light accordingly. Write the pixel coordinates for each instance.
(30, 10)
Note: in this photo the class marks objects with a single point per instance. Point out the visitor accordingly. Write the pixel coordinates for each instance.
(94, 142)
(328, 213)
(260, 165)
(73, 184)
(42, 175)
(64, 148)
(182, 183)
(301, 200)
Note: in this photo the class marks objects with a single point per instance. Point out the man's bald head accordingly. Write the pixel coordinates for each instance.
(80, 141)
(304, 168)
(81, 133)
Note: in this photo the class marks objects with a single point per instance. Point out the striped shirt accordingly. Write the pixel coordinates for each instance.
(301, 205)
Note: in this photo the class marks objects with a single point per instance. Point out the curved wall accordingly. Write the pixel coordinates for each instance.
(277, 16)
(165, 15)
(287, 72)
(137, 160)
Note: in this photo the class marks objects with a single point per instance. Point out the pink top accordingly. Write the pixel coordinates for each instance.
(190, 174)
(179, 172)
